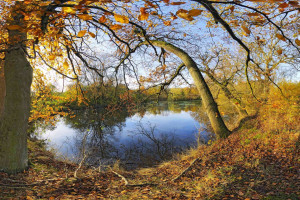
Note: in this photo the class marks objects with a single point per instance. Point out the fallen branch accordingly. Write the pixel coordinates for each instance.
(186, 170)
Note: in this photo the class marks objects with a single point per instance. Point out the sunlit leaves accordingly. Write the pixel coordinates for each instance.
(69, 10)
(51, 57)
(102, 19)
(281, 37)
(14, 27)
(81, 33)
(194, 12)
(92, 34)
(177, 3)
(246, 30)
(279, 51)
(85, 17)
(167, 23)
(116, 27)
(297, 41)
(121, 19)
(184, 14)
(66, 65)
(143, 14)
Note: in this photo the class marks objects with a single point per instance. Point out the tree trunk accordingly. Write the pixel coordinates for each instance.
(208, 101)
(14, 120)
(2, 87)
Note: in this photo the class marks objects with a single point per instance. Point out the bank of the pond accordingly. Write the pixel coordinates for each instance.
(250, 164)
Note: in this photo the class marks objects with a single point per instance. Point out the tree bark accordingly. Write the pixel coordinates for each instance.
(2, 87)
(208, 101)
(16, 109)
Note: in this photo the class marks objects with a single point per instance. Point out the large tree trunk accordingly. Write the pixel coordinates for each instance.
(14, 119)
(2, 87)
(209, 103)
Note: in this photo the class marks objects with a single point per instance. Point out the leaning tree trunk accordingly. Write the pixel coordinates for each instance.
(209, 103)
(16, 109)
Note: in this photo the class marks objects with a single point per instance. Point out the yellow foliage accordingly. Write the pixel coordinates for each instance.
(121, 19)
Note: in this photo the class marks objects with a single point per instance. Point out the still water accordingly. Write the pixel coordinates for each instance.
(137, 139)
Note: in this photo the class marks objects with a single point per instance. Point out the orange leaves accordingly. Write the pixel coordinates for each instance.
(14, 27)
(194, 12)
(116, 27)
(283, 5)
(121, 19)
(51, 57)
(281, 37)
(294, 4)
(92, 34)
(167, 23)
(81, 33)
(188, 15)
(143, 14)
(102, 19)
(66, 65)
(246, 30)
(85, 17)
(69, 10)
(253, 14)
(297, 41)
(279, 51)
(177, 3)
(184, 14)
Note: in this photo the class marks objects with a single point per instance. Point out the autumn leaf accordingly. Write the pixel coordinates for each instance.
(143, 16)
(281, 37)
(102, 19)
(65, 64)
(68, 10)
(184, 15)
(194, 12)
(92, 34)
(167, 23)
(283, 5)
(177, 3)
(13, 27)
(81, 33)
(121, 19)
(116, 27)
(246, 29)
(51, 57)
(279, 51)
(253, 14)
(297, 42)
(85, 17)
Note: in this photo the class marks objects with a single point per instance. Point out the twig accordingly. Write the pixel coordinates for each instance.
(186, 170)
(122, 177)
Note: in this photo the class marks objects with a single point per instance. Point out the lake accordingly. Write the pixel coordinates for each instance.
(141, 138)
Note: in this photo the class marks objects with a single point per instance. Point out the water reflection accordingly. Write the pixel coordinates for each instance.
(142, 138)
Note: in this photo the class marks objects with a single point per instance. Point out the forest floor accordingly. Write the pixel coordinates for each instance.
(250, 164)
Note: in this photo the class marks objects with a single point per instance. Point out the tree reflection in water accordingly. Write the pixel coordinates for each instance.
(101, 139)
